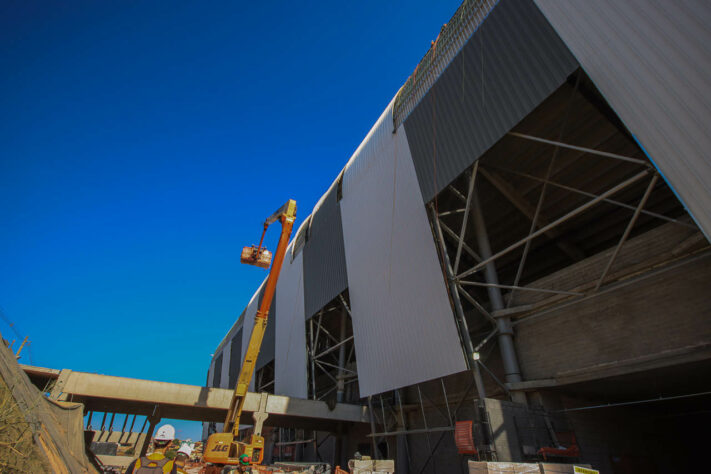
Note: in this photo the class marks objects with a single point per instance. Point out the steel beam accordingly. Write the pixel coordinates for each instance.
(581, 148)
(522, 288)
(475, 303)
(503, 324)
(466, 248)
(593, 195)
(533, 214)
(461, 320)
(557, 222)
(627, 231)
(465, 219)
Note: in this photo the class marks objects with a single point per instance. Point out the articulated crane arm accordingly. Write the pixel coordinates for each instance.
(223, 448)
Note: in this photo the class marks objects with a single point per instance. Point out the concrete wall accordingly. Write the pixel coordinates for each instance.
(647, 320)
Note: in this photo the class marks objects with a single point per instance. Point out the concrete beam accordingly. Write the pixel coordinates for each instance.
(105, 393)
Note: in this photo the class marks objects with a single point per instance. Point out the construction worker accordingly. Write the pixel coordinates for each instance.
(183, 457)
(156, 462)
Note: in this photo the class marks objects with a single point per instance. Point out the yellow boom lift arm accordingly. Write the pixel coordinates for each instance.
(224, 448)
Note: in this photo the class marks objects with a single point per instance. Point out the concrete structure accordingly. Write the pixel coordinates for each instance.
(521, 240)
(109, 394)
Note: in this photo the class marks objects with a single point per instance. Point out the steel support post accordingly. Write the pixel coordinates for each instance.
(503, 324)
(458, 310)
(372, 427)
(403, 449)
(424, 421)
(313, 365)
(341, 385)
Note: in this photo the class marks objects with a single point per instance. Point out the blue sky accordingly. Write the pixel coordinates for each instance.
(143, 143)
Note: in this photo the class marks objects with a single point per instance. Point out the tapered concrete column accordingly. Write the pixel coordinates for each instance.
(152, 422)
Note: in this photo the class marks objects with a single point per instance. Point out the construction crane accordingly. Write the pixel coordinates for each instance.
(224, 449)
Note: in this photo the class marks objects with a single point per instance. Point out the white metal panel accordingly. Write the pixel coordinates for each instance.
(403, 323)
(225, 370)
(290, 350)
(249, 315)
(651, 61)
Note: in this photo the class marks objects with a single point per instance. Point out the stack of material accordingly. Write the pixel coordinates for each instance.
(485, 467)
(293, 468)
(371, 466)
(51, 434)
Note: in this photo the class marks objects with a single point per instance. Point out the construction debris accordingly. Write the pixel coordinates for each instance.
(41, 435)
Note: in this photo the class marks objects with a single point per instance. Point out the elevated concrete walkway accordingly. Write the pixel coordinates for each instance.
(105, 393)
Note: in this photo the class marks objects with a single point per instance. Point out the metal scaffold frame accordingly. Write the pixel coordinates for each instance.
(392, 417)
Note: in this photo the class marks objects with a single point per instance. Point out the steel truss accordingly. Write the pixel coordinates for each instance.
(483, 272)
(388, 412)
(265, 379)
(332, 356)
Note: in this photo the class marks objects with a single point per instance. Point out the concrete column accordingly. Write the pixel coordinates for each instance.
(503, 324)
(152, 422)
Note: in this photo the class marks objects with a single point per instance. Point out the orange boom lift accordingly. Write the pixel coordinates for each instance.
(224, 448)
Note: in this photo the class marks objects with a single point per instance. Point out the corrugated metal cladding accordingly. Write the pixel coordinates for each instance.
(249, 315)
(211, 374)
(217, 371)
(507, 68)
(651, 60)
(266, 354)
(324, 257)
(300, 238)
(225, 378)
(402, 321)
(290, 362)
(235, 360)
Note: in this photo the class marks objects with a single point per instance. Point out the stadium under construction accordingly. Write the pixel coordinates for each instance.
(522, 242)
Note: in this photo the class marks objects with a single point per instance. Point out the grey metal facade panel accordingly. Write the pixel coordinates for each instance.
(249, 315)
(235, 358)
(217, 371)
(266, 353)
(324, 256)
(403, 325)
(511, 63)
(290, 331)
(210, 374)
(225, 378)
(300, 238)
(651, 60)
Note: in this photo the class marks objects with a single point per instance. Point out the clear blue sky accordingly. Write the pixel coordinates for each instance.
(143, 143)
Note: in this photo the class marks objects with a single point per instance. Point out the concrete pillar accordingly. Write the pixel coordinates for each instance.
(152, 422)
